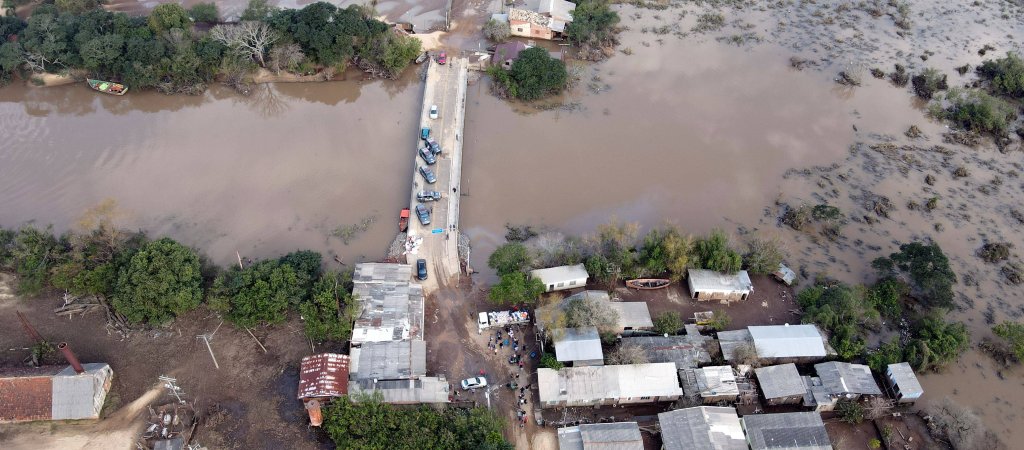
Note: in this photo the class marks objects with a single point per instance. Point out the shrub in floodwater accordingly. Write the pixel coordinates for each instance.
(899, 77)
(975, 111)
(1006, 75)
(709, 22)
(1014, 273)
(927, 83)
(995, 251)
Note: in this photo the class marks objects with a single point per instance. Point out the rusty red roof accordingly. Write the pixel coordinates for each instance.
(26, 393)
(323, 375)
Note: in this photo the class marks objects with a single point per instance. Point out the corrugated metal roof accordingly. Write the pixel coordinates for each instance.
(559, 9)
(323, 375)
(730, 340)
(389, 360)
(587, 385)
(404, 392)
(905, 378)
(560, 274)
(634, 315)
(391, 307)
(578, 344)
(686, 351)
(703, 427)
(712, 281)
(844, 378)
(780, 381)
(569, 438)
(787, 341)
(711, 381)
(612, 436)
(816, 393)
(81, 396)
(791, 431)
(53, 392)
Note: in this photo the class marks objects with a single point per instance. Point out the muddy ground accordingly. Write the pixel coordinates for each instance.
(249, 403)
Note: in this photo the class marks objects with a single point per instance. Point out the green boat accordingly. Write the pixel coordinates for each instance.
(108, 87)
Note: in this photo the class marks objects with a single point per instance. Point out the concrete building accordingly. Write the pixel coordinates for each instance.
(561, 277)
(781, 384)
(578, 346)
(712, 384)
(688, 351)
(608, 385)
(321, 378)
(76, 391)
(902, 383)
(601, 436)
(788, 343)
(796, 430)
(845, 380)
(703, 427)
(712, 285)
(541, 19)
(391, 307)
(389, 360)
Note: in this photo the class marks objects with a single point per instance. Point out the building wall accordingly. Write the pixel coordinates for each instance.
(565, 284)
(791, 400)
(529, 30)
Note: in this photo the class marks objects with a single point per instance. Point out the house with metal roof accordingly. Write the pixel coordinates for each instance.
(687, 351)
(781, 384)
(788, 343)
(902, 383)
(391, 306)
(724, 287)
(845, 380)
(561, 277)
(578, 346)
(321, 378)
(541, 19)
(730, 341)
(702, 427)
(817, 395)
(389, 360)
(601, 436)
(76, 391)
(608, 385)
(430, 390)
(712, 384)
(632, 316)
(790, 431)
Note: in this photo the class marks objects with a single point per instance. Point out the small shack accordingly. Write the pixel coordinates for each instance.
(688, 351)
(633, 316)
(788, 343)
(795, 430)
(845, 380)
(711, 384)
(321, 378)
(781, 385)
(601, 436)
(578, 346)
(784, 275)
(506, 53)
(391, 306)
(75, 391)
(561, 277)
(902, 382)
(702, 427)
(711, 285)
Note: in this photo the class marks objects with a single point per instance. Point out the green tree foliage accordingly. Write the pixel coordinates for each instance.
(94, 261)
(885, 297)
(974, 110)
(842, 311)
(161, 280)
(888, 353)
(167, 16)
(665, 250)
(613, 252)
(257, 10)
(368, 423)
(260, 293)
(714, 253)
(31, 252)
(669, 322)
(1013, 333)
(10, 60)
(516, 288)
(307, 265)
(763, 255)
(850, 411)
(534, 75)
(497, 30)
(928, 82)
(77, 6)
(549, 361)
(590, 311)
(330, 311)
(391, 52)
(509, 258)
(1005, 74)
(593, 24)
(10, 26)
(327, 34)
(204, 13)
(936, 343)
(720, 320)
(928, 269)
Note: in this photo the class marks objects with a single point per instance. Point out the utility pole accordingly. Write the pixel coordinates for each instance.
(206, 339)
(172, 385)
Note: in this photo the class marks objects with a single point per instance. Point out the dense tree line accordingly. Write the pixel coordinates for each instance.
(154, 281)
(165, 51)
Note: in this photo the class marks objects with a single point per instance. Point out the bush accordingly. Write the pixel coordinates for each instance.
(330, 311)
(549, 361)
(391, 52)
(205, 13)
(885, 297)
(497, 31)
(1013, 333)
(927, 267)
(1006, 75)
(257, 10)
(161, 281)
(899, 77)
(850, 411)
(842, 311)
(763, 255)
(509, 258)
(260, 293)
(665, 250)
(166, 16)
(593, 24)
(929, 82)
(669, 322)
(975, 111)
(516, 288)
(720, 320)
(714, 253)
(936, 343)
(535, 74)
(994, 252)
(888, 353)
(31, 253)
(624, 354)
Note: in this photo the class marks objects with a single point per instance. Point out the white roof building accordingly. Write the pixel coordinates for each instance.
(581, 346)
(608, 385)
(711, 383)
(712, 285)
(601, 436)
(905, 386)
(788, 341)
(391, 306)
(561, 277)
(633, 315)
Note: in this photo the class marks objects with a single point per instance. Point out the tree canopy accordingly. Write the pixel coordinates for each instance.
(715, 253)
(330, 310)
(516, 288)
(161, 281)
(263, 292)
(509, 258)
(1013, 333)
(928, 269)
(534, 75)
(593, 24)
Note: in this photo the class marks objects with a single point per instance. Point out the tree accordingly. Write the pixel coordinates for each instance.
(549, 361)
(593, 24)
(843, 312)
(257, 10)
(885, 296)
(286, 57)
(959, 424)
(166, 16)
(1005, 74)
(161, 281)
(391, 53)
(665, 250)
(497, 31)
(763, 255)
(669, 322)
(936, 342)
(77, 6)
(1013, 333)
(11, 58)
(888, 353)
(509, 258)
(850, 411)
(330, 311)
(928, 269)
(628, 354)
(32, 253)
(614, 253)
(720, 320)
(714, 253)
(260, 293)
(588, 310)
(102, 51)
(205, 13)
(536, 74)
(516, 288)
(247, 39)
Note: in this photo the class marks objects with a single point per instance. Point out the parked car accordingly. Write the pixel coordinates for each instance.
(473, 383)
(428, 175)
(427, 155)
(435, 148)
(442, 58)
(433, 111)
(424, 132)
(424, 214)
(421, 269)
(428, 196)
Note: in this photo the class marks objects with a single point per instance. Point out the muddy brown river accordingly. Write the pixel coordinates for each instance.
(698, 134)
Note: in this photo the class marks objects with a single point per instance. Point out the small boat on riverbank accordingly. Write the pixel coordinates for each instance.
(108, 87)
(648, 283)
(403, 220)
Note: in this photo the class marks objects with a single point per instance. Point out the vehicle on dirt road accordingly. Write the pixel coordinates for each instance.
(428, 196)
(474, 383)
(424, 214)
(428, 175)
(421, 269)
(427, 155)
